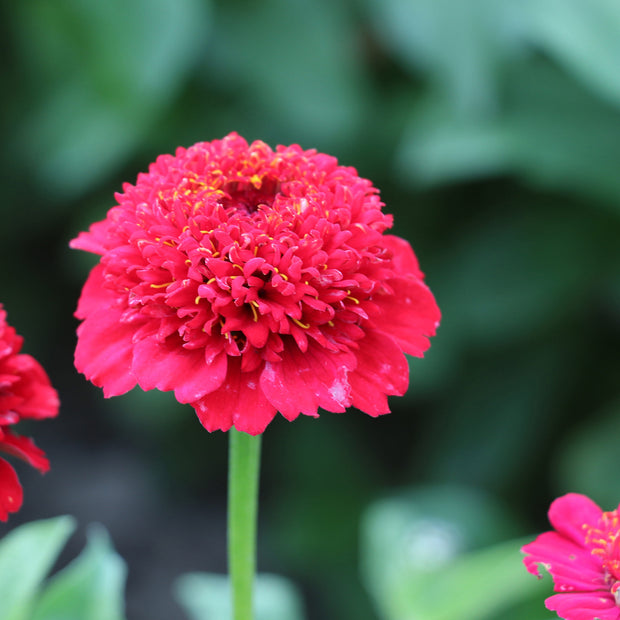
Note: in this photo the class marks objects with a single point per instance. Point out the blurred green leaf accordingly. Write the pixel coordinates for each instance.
(104, 73)
(587, 459)
(549, 130)
(90, 588)
(421, 557)
(583, 36)
(296, 62)
(459, 45)
(27, 553)
(207, 597)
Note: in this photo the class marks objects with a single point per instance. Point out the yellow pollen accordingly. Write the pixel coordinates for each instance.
(211, 280)
(188, 262)
(330, 323)
(161, 285)
(349, 296)
(197, 300)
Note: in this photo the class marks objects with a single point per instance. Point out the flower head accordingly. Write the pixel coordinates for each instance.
(583, 557)
(249, 281)
(25, 393)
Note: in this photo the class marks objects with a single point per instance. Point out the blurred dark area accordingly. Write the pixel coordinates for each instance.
(492, 129)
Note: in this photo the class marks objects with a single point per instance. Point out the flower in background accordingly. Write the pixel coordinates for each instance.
(252, 281)
(583, 557)
(25, 393)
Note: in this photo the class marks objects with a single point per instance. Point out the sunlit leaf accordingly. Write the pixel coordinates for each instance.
(207, 597)
(421, 557)
(90, 588)
(27, 553)
(583, 36)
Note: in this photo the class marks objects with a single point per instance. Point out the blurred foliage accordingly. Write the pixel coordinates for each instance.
(90, 588)
(207, 597)
(492, 129)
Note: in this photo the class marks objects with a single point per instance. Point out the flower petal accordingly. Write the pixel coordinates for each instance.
(25, 449)
(569, 513)
(381, 369)
(11, 494)
(410, 316)
(404, 260)
(239, 401)
(104, 351)
(572, 566)
(303, 382)
(586, 606)
(37, 398)
(94, 294)
(168, 366)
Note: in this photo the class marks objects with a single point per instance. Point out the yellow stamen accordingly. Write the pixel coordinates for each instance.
(254, 311)
(298, 322)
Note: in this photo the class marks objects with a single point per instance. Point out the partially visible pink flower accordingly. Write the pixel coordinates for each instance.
(25, 393)
(583, 557)
(252, 281)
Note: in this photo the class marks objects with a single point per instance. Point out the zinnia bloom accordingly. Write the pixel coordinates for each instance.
(250, 281)
(583, 557)
(25, 393)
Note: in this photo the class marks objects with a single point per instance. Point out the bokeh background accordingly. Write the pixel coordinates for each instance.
(492, 129)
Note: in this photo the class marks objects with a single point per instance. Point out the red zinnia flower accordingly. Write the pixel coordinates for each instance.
(25, 393)
(583, 557)
(251, 281)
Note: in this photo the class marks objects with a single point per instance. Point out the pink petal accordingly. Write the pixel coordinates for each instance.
(587, 606)
(11, 494)
(94, 240)
(94, 294)
(239, 401)
(25, 449)
(409, 316)
(104, 351)
(168, 366)
(381, 370)
(404, 259)
(303, 382)
(572, 566)
(37, 398)
(569, 513)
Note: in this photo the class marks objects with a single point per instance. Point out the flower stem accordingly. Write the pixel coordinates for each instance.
(244, 464)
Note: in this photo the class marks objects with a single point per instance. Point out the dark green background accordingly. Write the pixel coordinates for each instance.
(492, 129)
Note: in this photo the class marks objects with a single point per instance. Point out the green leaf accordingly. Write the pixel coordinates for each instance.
(103, 73)
(460, 45)
(90, 588)
(421, 557)
(27, 553)
(583, 36)
(587, 458)
(549, 130)
(207, 597)
(306, 77)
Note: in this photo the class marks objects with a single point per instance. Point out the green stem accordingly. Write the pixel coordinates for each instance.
(244, 464)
